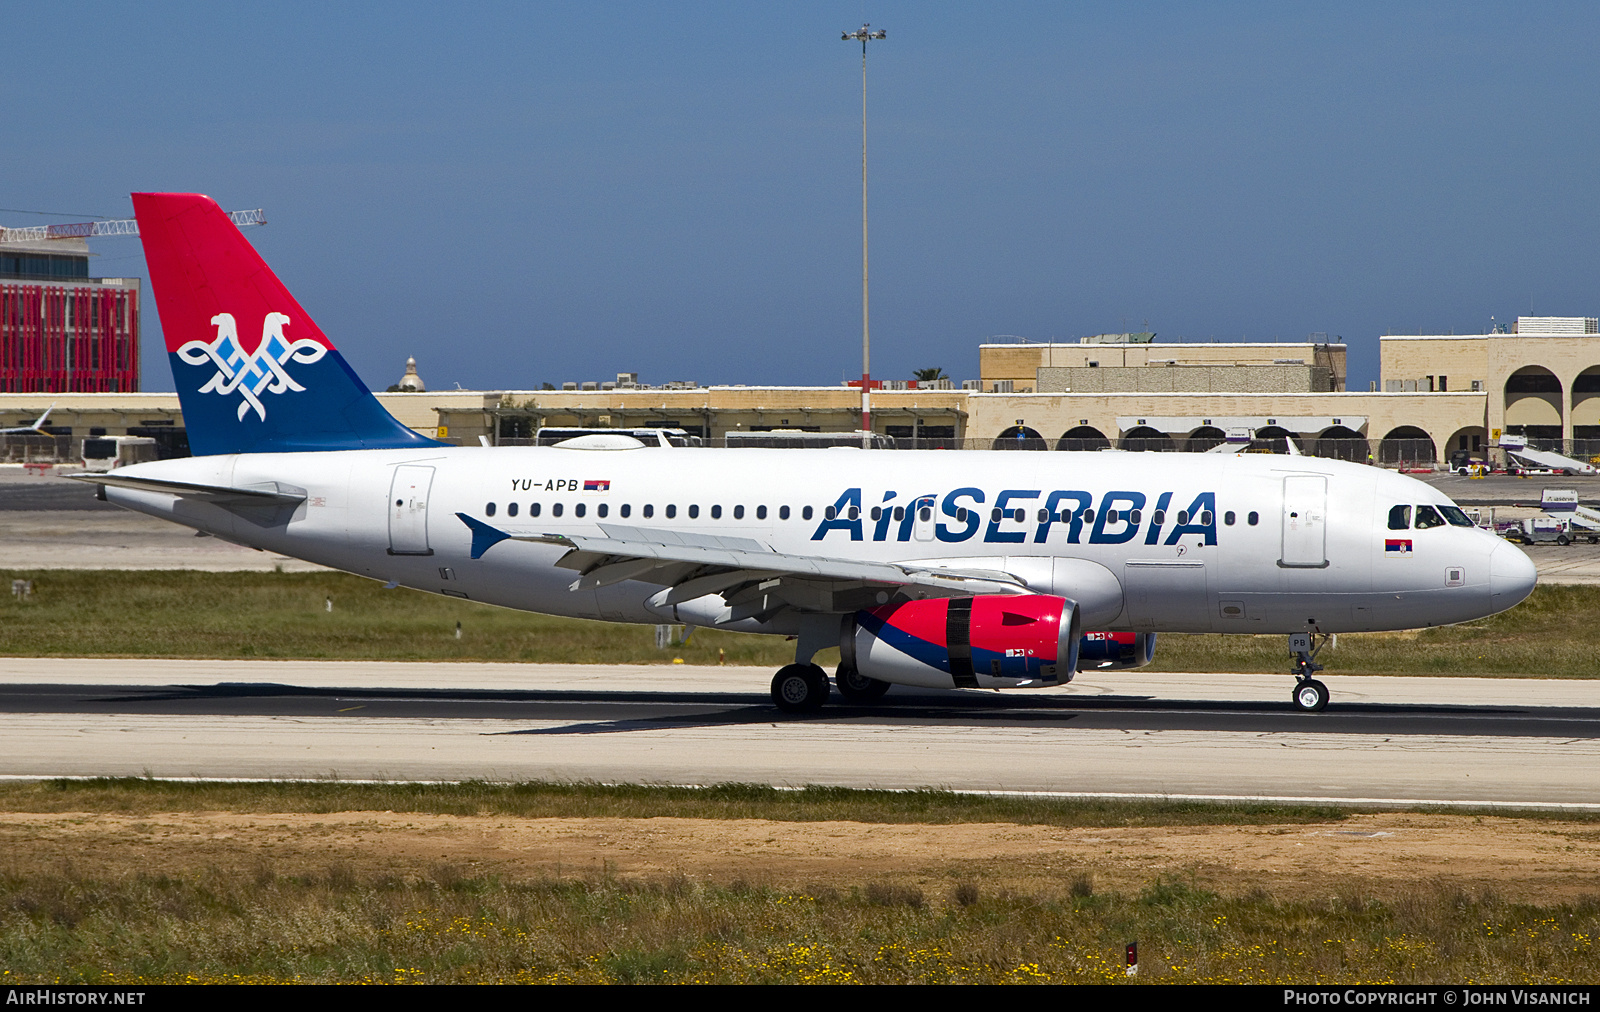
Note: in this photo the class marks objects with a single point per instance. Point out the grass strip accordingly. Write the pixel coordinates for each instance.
(338, 926)
(539, 799)
(183, 614)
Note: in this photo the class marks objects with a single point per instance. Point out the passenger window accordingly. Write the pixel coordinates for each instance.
(1400, 518)
(511, 509)
(1228, 518)
(1159, 518)
(1044, 515)
(649, 511)
(738, 512)
(1427, 517)
(626, 509)
(716, 512)
(1112, 516)
(533, 509)
(994, 516)
(783, 512)
(927, 513)
(694, 512)
(877, 512)
(855, 514)
(761, 512)
(1206, 518)
(805, 514)
(1253, 519)
(578, 510)
(1183, 517)
(1018, 515)
(555, 510)
(830, 513)
(961, 515)
(488, 509)
(1088, 515)
(1135, 518)
(602, 509)
(672, 511)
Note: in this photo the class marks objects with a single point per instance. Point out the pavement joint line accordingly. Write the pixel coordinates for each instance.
(1279, 799)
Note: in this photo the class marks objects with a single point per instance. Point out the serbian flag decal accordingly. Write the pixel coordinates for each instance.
(1397, 546)
(593, 485)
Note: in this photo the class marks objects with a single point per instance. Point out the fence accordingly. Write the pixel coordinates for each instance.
(35, 448)
(1398, 453)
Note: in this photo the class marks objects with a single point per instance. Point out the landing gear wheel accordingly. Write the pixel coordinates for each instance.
(800, 688)
(858, 688)
(1310, 695)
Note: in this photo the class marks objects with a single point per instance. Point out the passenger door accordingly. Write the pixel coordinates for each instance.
(1305, 522)
(408, 510)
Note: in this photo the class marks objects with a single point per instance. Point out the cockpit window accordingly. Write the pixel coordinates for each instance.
(1400, 518)
(1427, 517)
(1456, 517)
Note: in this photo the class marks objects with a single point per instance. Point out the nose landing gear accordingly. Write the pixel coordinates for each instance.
(1309, 694)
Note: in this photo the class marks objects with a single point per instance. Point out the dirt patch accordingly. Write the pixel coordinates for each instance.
(1382, 853)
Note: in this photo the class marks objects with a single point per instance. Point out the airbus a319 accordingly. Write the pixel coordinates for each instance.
(965, 569)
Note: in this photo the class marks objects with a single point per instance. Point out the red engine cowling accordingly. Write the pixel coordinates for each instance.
(1116, 651)
(990, 641)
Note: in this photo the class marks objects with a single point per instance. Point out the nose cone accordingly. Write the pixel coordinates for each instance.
(1511, 576)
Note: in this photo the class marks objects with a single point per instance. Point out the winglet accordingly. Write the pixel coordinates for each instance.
(484, 537)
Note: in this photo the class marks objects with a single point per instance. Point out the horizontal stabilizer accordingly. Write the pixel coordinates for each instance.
(270, 493)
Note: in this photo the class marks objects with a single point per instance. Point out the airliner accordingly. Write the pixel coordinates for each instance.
(37, 426)
(944, 570)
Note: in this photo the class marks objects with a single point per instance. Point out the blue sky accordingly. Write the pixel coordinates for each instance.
(526, 193)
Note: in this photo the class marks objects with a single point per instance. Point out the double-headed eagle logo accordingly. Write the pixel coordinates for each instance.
(251, 375)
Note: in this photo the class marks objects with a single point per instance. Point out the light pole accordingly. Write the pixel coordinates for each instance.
(864, 34)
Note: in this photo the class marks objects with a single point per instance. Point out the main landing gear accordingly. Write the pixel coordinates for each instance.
(858, 688)
(1309, 694)
(800, 688)
(803, 688)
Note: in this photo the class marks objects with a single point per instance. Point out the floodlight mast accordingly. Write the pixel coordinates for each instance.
(864, 34)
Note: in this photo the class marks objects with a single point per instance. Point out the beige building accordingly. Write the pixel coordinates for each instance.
(1541, 380)
(1439, 394)
(1137, 363)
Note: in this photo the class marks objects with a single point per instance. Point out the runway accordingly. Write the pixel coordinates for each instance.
(1497, 742)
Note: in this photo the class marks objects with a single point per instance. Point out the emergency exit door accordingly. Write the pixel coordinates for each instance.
(408, 510)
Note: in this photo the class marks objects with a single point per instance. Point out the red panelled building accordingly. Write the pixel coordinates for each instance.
(62, 331)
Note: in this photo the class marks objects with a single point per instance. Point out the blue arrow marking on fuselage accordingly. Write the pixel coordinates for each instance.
(484, 537)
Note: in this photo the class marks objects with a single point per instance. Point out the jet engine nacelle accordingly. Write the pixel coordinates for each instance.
(989, 642)
(1116, 651)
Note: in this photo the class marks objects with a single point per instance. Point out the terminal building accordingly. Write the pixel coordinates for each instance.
(62, 331)
(1438, 394)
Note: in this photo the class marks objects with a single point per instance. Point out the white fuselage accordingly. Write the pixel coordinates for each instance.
(1320, 553)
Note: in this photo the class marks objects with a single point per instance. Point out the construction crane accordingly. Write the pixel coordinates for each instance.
(117, 226)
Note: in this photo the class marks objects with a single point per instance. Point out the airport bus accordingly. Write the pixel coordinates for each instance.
(103, 453)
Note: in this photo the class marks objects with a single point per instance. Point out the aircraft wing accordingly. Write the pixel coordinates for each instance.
(35, 427)
(270, 493)
(743, 570)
